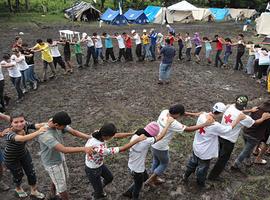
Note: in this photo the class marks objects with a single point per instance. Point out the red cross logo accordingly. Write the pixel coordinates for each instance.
(201, 131)
(228, 119)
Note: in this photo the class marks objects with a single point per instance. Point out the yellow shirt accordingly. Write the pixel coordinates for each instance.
(45, 52)
(145, 39)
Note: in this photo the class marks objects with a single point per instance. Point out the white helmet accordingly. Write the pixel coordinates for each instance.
(219, 107)
(133, 31)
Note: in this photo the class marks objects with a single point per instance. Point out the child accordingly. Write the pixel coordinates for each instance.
(14, 74)
(264, 62)
(198, 46)
(95, 168)
(240, 52)
(17, 157)
(208, 49)
(121, 46)
(250, 63)
(128, 44)
(98, 46)
(138, 153)
(67, 54)
(146, 46)
(138, 43)
(228, 51)
(188, 46)
(219, 46)
(180, 45)
(160, 43)
(257, 49)
(78, 51)
(109, 47)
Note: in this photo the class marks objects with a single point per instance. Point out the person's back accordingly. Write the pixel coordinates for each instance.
(168, 53)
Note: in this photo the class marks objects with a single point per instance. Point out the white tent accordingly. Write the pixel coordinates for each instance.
(182, 11)
(247, 13)
(202, 14)
(163, 15)
(262, 24)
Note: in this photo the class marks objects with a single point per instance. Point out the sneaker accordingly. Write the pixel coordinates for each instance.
(100, 196)
(52, 76)
(3, 186)
(38, 195)
(24, 90)
(35, 85)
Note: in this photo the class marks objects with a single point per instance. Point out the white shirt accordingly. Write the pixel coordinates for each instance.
(55, 51)
(98, 42)
(20, 62)
(137, 39)
(176, 126)
(264, 57)
(12, 71)
(121, 42)
(268, 6)
(137, 154)
(229, 117)
(205, 144)
(1, 73)
(90, 42)
(96, 159)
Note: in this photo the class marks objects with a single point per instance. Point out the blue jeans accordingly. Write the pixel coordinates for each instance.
(153, 51)
(99, 53)
(200, 166)
(164, 71)
(250, 65)
(146, 51)
(250, 143)
(25, 78)
(32, 75)
(226, 57)
(160, 161)
(17, 84)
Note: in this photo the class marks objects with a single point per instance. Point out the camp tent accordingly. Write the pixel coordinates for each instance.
(82, 11)
(113, 17)
(220, 14)
(182, 11)
(266, 40)
(158, 15)
(247, 13)
(136, 16)
(202, 14)
(262, 24)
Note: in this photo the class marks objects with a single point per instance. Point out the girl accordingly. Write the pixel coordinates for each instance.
(180, 45)
(95, 168)
(198, 46)
(264, 62)
(17, 157)
(208, 49)
(188, 46)
(146, 46)
(228, 51)
(240, 52)
(138, 153)
(250, 63)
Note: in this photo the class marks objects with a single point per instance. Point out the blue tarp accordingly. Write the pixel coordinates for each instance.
(219, 13)
(136, 16)
(151, 12)
(113, 17)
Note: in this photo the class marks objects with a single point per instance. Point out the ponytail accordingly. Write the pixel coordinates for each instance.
(141, 131)
(97, 135)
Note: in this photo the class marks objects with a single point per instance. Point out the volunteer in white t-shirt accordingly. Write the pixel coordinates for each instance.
(95, 168)
(160, 150)
(90, 49)
(98, 46)
(138, 43)
(138, 153)
(264, 62)
(2, 85)
(227, 142)
(121, 45)
(205, 144)
(14, 74)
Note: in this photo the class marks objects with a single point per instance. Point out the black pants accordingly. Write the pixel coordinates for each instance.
(139, 51)
(109, 52)
(17, 84)
(225, 151)
(91, 52)
(262, 70)
(238, 60)
(94, 176)
(256, 66)
(121, 53)
(188, 54)
(129, 54)
(218, 59)
(2, 102)
(180, 53)
(59, 60)
(79, 59)
(21, 166)
(200, 166)
(139, 179)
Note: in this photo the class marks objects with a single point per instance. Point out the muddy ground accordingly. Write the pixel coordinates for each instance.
(128, 95)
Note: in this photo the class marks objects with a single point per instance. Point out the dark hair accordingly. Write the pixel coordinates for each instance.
(141, 131)
(124, 33)
(16, 115)
(116, 33)
(177, 109)
(24, 44)
(205, 38)
(61, 118)
(6, 56)
(241, 102)
(39, 41)
(265, 106)
(250, 42)
(241, 35)
(17, 38)
(108, 129)
(228, 40)
(216, 112)
(49, 40)
(264, 49)
(104, 33)
(167, 40)
(216, 36)
(187, 33)
(94, 34)
(257, 46)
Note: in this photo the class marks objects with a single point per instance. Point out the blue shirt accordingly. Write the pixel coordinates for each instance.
(168, 53)
(153, 38)
(108, 42)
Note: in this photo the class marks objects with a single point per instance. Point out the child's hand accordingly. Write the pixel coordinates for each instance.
(88, 150)
(141, 138)
(42, 129)
(170, 120)
(266, 116)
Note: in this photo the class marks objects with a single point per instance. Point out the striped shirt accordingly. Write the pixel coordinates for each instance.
(15, 150)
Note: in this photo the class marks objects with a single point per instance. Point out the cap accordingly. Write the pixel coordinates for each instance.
(133, 31)
(159, 35)
(84, 34)
(144, 30)
(152, 128)
(168, 26)
(219, 107)
(241, 101)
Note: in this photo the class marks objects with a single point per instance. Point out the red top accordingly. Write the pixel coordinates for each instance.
(219, 45)
(128, 42)
(171, 40)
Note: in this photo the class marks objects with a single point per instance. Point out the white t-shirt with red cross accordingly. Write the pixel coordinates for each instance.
(205, 144)
(96, 159)
(175, 127)
(229, 117)
(137, 154)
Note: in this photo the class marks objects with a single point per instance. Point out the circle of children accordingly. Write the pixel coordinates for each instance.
(20, 65)
(212, 140)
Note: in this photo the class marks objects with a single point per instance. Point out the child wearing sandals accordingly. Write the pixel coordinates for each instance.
(95, 168)
(17, 158)
(138, 153)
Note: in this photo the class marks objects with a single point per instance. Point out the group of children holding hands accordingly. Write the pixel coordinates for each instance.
(212, 139)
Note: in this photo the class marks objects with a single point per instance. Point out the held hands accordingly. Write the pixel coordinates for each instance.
(140, 138)
(169, 121)
(4, 132)
(254, 109)
(266, 115)
(42, 129)
(210, 120)
(88, 150)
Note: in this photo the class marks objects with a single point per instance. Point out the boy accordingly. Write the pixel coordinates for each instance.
(121, 45)
(138, 43)
(109, 47)
(90, 49)
(78, 51)
(98, 46)
(128, 44)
